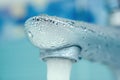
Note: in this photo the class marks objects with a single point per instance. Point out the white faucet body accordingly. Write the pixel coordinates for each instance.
(50, 33)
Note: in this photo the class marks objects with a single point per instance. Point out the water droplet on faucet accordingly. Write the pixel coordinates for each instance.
(99, 46)
(30, 34)
(39, 29)
(85, 30)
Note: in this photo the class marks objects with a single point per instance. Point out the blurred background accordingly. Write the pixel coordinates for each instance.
(19, 59)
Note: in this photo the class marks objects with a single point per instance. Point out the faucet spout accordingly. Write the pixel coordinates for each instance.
(71, 52)
(64, 38)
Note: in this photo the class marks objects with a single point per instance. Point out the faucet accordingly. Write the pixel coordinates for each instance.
(51, 35)
(65, 38)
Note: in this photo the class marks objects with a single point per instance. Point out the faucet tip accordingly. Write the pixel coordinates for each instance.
(72, 53)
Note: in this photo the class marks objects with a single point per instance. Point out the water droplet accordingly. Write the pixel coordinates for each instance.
(107, 45)
(37, 19)
(91, 30)
(80, 58)
(32, 23)
(85, 30)
(30, 34)
(88, 44)
(86, 50)
(56, 23)
(33, 19)
(53, 22)
(105, 37)
(83, 37)
(50, 20)
(101, 33)
(39, 29)
(83, 27)
(99, 46)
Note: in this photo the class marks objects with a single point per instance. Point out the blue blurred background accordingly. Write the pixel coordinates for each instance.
(19, 59)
